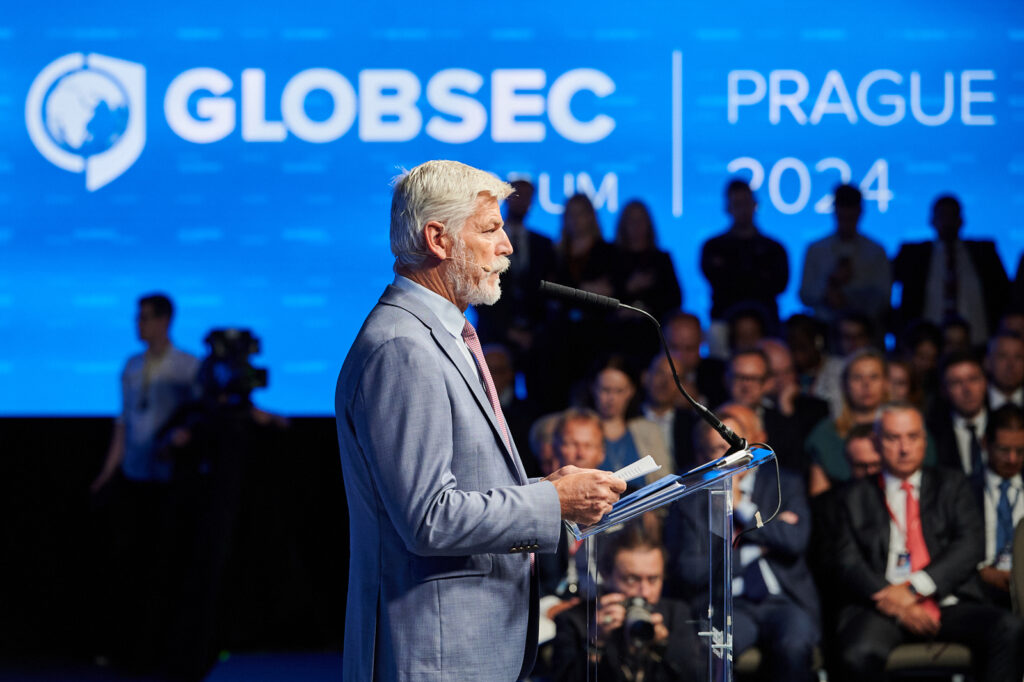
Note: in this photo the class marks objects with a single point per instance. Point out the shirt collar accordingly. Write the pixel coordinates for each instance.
(992, 480)
(447, 312)
(893, 484)
(979, 421)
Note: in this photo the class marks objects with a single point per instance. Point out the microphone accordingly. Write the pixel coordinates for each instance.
(482, 267)
(578, 295)
(737, 444)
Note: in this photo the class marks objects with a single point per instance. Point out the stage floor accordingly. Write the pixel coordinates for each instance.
(243, 667)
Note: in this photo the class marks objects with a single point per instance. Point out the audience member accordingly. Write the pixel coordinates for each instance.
(818, 373)
(578, 335)
(958, 423)
(865, 390)
(999, 493)
(627, 438)
(644, 278)
(542, 436)
(903, 386)
(783, 391)
(775, 605)
(742, 265)
(909, 557)
(644, 275)
(747, 378)
(684, 337)
(921, 343)
(853, 331)
(1005, 365)
(155, 384)
(949, 276)
(956, 335)
(663, 648)
(846, 271)
(664, 406)
(746, 325)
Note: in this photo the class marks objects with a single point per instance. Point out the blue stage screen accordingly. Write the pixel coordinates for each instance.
(238, 157)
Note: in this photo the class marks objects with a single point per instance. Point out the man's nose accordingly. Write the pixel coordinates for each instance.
(504, 245)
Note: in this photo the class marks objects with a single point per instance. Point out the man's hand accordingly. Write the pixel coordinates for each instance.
(660, 631)
(892, 599)
(587, 494)
(563, 472)
(611, 614)
(916, 619)
(996, 578)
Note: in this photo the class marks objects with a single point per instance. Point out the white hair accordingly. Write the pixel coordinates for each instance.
(445, 191)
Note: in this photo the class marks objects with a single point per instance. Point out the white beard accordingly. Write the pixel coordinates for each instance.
(470, 283)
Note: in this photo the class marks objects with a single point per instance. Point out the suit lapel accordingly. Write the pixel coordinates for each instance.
(396, 297)
(880, 510)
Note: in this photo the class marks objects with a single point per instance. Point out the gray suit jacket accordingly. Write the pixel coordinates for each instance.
(441, 514)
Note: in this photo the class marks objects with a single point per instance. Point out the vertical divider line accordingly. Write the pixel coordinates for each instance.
(677, 133)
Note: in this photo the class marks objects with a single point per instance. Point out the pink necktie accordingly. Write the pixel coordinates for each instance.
(919, 555)
(473, 342)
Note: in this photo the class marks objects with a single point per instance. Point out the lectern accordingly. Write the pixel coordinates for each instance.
(709, 485)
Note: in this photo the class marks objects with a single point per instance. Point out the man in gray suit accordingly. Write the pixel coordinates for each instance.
(442, 517)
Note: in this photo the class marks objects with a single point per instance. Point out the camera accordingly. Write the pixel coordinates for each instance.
(638, 627)
(226, 375)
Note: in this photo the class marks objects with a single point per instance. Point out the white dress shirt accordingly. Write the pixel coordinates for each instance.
(744, 510)
(992, 481)
(969, 300)
(897, 501)
(447, 312)
(997, 398)
(963, 437)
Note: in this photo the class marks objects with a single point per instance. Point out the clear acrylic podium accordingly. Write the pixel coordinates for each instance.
(698, 506)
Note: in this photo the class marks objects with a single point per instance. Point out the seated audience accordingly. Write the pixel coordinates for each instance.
(817, 372)
(958, 423)
(747, 378)
(999, 492)
(852, 332)
(684, 337)
(865, 390)
(903, 386)
(660, 648)
(1005, 365)
(909, 546)
(956, 335)
(665, 407)
(775, 605)
(783, 392)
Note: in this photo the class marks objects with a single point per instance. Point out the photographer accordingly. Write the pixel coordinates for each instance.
(640, 636)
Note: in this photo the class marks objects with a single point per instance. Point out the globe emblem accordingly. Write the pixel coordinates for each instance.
(86, 111)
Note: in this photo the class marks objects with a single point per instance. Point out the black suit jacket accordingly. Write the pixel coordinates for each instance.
(911, 265)
(686, 540)
(680, 657)
(940, 428)
(952, 527)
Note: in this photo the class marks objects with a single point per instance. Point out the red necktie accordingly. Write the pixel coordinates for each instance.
(919, 556)
(473, 342)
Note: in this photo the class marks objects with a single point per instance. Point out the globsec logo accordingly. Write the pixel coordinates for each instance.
(87, 113)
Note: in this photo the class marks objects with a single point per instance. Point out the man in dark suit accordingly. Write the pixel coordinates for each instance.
(908, 549)
(783, 391)
(949, 276)
(702, 377)
(775, 604)
(958, 422)
(1000, 494)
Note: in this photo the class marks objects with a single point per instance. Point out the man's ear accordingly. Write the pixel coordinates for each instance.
(437, 243)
